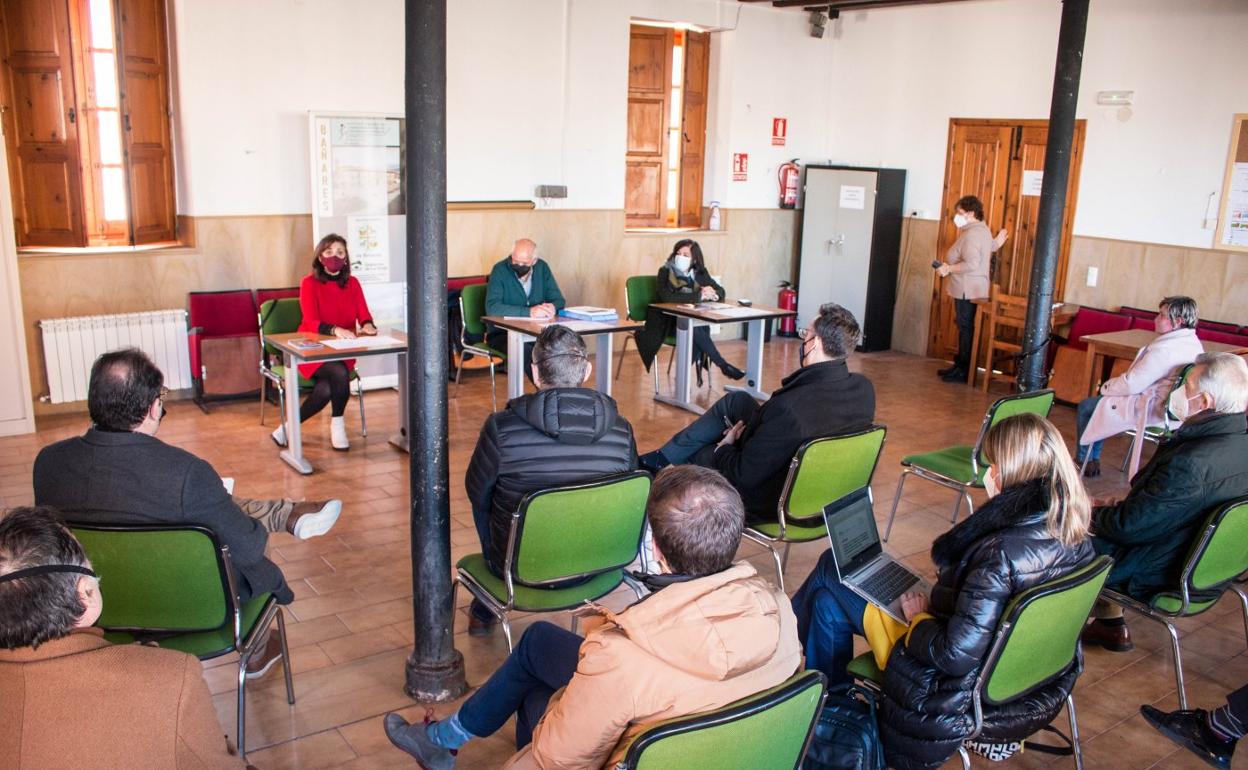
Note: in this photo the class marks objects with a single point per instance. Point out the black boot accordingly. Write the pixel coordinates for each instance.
(1190, 729)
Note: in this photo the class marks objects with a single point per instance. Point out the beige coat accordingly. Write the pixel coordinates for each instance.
(80, 701)
(969, 260)
(688, 648)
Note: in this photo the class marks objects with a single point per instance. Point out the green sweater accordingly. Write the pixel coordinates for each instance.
(505, 296)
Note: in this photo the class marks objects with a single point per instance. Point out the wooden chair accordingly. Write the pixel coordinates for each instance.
(1003, 311)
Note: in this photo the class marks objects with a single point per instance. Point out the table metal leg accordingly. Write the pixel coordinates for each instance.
(515, 364)
(400, 439)
(684, 360)
(604, 363)
(293, 453)
(753, 363)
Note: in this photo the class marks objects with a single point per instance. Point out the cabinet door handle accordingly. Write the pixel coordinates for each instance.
(73, 115)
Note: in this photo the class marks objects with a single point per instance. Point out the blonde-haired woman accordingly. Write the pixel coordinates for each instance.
(1034, 528)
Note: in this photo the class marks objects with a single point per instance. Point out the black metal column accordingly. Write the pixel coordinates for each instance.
(435, 669)
(1057, 153)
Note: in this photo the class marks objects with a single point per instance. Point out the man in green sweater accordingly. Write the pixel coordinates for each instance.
(521, 285)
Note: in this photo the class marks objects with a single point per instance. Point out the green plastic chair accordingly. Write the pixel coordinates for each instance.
(471, 309)
(640, 292)
(175, 585)
(1153, 434)
(769, 730)
(591, 530)
(961, 468)
(283, 316)
(1216, 559)
(1036, 642)
(823, 470)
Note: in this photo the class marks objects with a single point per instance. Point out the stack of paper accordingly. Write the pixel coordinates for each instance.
(590, 313)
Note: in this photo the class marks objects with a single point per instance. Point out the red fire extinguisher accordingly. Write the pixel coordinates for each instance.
(787, 300)
(789, 174)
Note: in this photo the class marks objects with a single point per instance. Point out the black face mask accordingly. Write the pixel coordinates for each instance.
(520, 270)
(801, 353)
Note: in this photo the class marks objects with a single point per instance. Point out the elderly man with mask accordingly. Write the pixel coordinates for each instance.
(68, 698)
(521, 285)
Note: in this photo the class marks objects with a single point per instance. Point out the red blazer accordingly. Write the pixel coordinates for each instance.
(325, 304)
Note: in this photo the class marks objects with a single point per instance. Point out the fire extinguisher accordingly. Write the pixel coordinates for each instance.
(789, 174)
(787, 300)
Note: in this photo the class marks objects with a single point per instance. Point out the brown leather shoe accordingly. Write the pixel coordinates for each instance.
(1092, 469)
(263, 659)
(1113, 638)
(311, 519)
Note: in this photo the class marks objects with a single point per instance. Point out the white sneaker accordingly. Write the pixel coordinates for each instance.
(279, 436)
(312, 519)
(338, 434)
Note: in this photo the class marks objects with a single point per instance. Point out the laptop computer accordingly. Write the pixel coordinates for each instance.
(861, 563)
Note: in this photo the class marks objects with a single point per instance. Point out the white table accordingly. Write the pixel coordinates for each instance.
(689, 317)
(524, 330)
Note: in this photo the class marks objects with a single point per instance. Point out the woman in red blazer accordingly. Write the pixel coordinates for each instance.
(332, 302)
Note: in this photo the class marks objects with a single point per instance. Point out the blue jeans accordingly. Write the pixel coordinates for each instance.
(696, 442)
(543, 661)
(828, 616)
(1083, 416)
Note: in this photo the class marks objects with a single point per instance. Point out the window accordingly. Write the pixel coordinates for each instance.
(86, 121)
(667, 83)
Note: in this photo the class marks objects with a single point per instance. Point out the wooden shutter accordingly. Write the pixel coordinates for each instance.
(41, 123)
(143, 72)
(649, 76)
(693, 125)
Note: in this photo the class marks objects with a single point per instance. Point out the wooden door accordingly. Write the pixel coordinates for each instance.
(645, 178)
(1000, 162)
(693, 127)
(142, 72)
(42, 136)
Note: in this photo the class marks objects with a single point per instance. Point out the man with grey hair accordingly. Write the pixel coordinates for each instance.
(752, 444)
(1205, 464)
(562, 434)
(68, 698)
(521, 285)
(1121, 400)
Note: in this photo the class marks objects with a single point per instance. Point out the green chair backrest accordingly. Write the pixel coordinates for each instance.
(582, 529)
(1036, 402)
(1178, 383)
(640, 291)
(279, 316)
(1039, 632)
(769, 730)
(155, 578)
(1221, 553)
(472, 307)
(827, 469)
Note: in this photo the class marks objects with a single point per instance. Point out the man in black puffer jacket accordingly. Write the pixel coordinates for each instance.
(562, 434)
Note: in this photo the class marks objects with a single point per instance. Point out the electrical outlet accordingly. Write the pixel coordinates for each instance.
(1092, 276)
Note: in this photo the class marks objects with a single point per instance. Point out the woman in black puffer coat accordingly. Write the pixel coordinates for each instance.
(1033, 529)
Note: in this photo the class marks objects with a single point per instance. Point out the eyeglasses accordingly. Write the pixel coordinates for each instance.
(163, 392)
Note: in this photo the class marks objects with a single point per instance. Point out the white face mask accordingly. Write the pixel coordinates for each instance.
(1178, 403)
(990, 482)
(960, 220)
(682, 262)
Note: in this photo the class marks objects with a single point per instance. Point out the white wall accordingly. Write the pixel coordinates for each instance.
(1147, 174)
(16, 410)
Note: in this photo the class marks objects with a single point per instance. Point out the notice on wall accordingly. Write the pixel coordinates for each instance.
(853, 197)
(740, 166)
(1032, 182)
(368, 242)
(779, 131)
(1235, 225)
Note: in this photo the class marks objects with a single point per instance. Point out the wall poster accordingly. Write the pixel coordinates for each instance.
(1232, 231)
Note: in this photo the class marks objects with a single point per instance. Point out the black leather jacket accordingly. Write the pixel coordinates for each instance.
(544, 439)
(999, 551)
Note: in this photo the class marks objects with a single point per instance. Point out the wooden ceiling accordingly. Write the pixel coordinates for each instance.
(834, 7)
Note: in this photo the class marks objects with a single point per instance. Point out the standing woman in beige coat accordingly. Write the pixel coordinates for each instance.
(711, 633)
(968, 266)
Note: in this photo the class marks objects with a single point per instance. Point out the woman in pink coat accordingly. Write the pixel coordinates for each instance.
(1137, 398)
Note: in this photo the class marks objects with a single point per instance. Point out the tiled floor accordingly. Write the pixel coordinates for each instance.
(351, 623)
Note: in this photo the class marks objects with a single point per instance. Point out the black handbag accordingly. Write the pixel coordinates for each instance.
(846, 735)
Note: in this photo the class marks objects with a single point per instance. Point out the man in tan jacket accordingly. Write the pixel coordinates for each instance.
(968, 266)
(68, 698)
(712, 633)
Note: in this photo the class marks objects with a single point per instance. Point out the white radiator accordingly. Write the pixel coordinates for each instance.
(71, 345)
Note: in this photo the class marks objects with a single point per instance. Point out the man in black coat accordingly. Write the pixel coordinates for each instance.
(1205, 464)
(120, 473)
(562, 434)
(752, 444)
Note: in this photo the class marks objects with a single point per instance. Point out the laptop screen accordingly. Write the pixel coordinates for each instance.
(852, 529)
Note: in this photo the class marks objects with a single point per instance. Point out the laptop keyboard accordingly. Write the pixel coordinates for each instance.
(888, 582)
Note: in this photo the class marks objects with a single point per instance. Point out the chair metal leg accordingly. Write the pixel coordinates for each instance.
(241, 735)
(965, 757)
(1074, 730)
(784, 563)
(775, 557)
(281, 404)
(506, 631)
(957, 506)
(620, 364)
(263, 388)
(493, 386)
(1178, 665)
(1243, 603)
(901, 483)
(670, 359)
(654, 367)
(575, 623)
(359, 388)
(459, 370)
(281, 635)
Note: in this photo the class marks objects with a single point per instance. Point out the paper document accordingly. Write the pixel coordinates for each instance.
(713, 306)
(361, 342)
(577, 326)
(520, 318)
(737, 312)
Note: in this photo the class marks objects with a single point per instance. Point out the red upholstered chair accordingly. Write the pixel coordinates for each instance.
(221, 315)
(1140, 322)
(1213, 335)
(1068, 379)
(1138, 311)
(264, 295)
(1217, 326)
(1089, 320)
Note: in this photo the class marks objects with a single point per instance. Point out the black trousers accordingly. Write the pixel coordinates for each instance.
(696, 443)
(964, 317)
(497, 339)
(333, 386)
